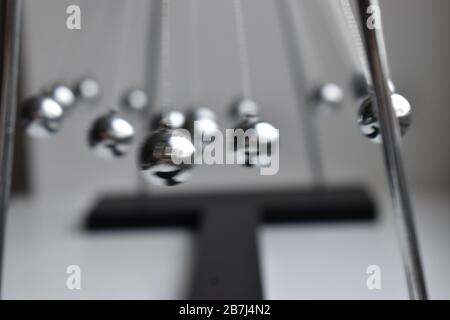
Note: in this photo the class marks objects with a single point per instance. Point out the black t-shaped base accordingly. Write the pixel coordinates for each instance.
(227, 263)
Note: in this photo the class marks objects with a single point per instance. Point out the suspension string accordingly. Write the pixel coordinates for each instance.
(307, 57)
(121, 55)
(290, 19)
(63, 48)
(166, 66)
(243, 49)
(195, 50)
(87, 53)
(356, 36)
(342, 40)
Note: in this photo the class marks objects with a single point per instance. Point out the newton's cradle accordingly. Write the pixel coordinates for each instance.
(227, 261)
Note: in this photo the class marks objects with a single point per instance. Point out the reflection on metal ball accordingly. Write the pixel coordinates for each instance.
(368, 121)
(87, 89)
(202, 121)
(63, 95)
(328, 98)
(42, 116)
(136, 100)
(111, 136)
(244, 108)
(169, 120)
(259, 143)
(166, 157)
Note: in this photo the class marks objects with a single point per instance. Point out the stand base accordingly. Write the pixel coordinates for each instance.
(227, 263)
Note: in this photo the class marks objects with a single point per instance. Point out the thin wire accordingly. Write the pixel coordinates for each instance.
(195, 50)
(300, 17)
(86, 59)
(338, 26)
(357, 38)
(243, 49)
(62, 52)
(153, 53)
(121, 55)
(166, 67)
(289, 22)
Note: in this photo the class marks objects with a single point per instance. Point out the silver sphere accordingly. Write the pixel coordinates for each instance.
(136, 100)
(244, 108)
(63, 95)
(42, 116)
(202, 121)
(328, 98)
(259, 133)
(368, 121)
(111, 136)
(168, 120)
(87, 89)
(166, 157)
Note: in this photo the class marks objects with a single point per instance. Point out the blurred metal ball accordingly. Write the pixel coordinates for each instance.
(368, 121)
(244, 108)
(168, 120)
(111, 136)
(87, 89)
(259, 133)
(136, 100)
(328, 98)
(166, 157)
(202, 121)
(42, 116)
(63, 95)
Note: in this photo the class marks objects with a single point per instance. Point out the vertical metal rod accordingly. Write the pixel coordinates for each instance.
(379, 69)
(288, 18)
(10, 25)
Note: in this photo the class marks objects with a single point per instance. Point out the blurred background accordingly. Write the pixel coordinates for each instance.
(58, 180)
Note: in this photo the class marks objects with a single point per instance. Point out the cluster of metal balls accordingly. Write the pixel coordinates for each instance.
(328, 97)
(110, 135)
(165, 156)
(43, 113)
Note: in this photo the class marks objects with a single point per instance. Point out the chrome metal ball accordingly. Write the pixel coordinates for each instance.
(111, 136)
(328, 98)
(244, 108)
(136, 100)
(87, 89)
(63, 95)
(42, 116)
(258, 144)
(169, 120)
(165, 157)
(368, 121)
(202, 122)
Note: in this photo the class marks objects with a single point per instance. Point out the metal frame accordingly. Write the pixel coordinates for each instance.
(10, 29)
(379, 69)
